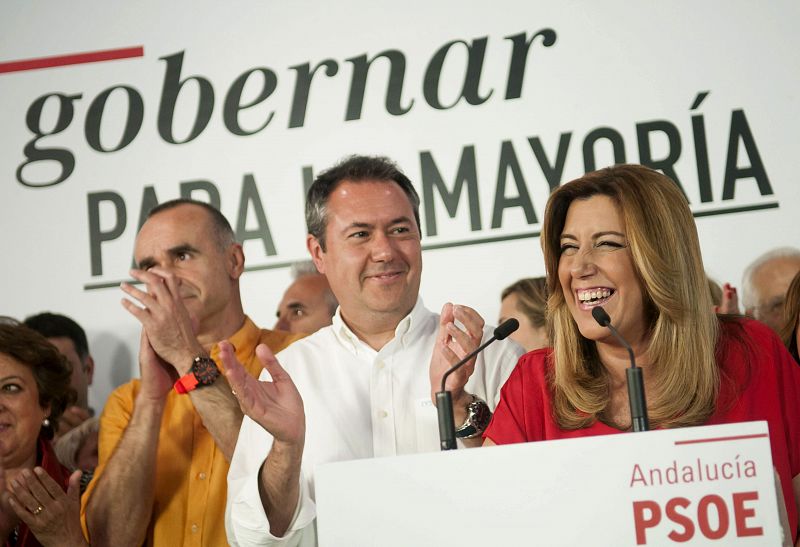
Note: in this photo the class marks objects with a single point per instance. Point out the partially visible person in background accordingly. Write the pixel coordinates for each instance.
(308, 304)
(790, 332)
(77, 449)
(70, 339)
(765, 283)
(716, 292)
(34, 391)
(526, 301)
(725, 298)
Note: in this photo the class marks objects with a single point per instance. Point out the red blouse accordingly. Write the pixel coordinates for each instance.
(759, 381)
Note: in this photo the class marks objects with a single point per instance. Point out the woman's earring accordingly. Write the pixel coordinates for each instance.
(46, 422)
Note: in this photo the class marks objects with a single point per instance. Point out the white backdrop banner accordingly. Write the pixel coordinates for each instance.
(110, 108)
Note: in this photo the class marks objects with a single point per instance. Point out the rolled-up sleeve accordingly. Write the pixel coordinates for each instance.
(246, 523)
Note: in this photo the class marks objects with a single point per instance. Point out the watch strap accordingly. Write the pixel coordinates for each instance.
(203, 372)
(186, 383)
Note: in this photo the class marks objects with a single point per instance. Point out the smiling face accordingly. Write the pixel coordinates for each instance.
(20, 414)
(373, 257)
(183, 240)
(595, 268)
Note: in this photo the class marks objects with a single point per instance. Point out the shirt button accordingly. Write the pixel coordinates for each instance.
(195, 528)
(383, 414)
(201, 476)
(380, 364)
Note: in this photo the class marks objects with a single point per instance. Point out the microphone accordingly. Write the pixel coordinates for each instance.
(633, 375)
(444, 399)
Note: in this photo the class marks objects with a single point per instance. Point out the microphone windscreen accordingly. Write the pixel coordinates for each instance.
(601, 316)
(505, 328)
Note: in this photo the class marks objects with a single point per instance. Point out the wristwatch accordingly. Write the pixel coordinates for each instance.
(478, 417)
(203, 372)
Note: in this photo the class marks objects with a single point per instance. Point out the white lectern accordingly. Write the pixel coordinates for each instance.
(709, 485)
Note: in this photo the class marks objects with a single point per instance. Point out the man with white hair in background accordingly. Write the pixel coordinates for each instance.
(765, 283)
(308, 303)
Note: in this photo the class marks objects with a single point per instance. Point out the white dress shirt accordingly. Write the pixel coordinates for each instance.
(359, 403)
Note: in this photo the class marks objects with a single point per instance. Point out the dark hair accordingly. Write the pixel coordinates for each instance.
(54, 325)
(222, 228)
(50, 369)
(352, 169)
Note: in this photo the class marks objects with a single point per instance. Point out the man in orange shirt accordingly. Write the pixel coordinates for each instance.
(166, 440)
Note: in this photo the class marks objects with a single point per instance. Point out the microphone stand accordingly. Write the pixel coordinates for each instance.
(444, 403)
(444, 399)
(633, 376)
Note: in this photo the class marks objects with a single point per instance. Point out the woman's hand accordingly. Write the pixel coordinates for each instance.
(50, 513)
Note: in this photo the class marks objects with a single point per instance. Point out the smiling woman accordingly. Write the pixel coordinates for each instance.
(624, 238)
(629, 230)
(34, 391)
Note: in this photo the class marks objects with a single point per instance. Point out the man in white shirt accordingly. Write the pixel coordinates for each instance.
(362, 387)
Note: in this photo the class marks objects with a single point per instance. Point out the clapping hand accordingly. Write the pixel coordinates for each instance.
(275, 405)
(164, 316)
(50, 513)
(453, 344)
(157, 375)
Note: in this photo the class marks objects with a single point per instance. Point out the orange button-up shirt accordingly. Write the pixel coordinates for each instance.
(191, 472)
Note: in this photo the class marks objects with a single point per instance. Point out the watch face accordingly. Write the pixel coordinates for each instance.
(482, 415)
(205, 370)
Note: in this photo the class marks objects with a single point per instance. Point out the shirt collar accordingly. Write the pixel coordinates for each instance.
(244, 343)
(403, 332)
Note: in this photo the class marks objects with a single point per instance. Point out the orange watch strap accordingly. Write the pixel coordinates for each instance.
(186, 383)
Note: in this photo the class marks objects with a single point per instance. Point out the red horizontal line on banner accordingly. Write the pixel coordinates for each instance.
(718, 439)
(72, 59)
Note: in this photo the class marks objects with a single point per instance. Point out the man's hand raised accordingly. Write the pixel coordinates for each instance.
(275, 405)
(453, 344)
(164, 317)
(157, 376)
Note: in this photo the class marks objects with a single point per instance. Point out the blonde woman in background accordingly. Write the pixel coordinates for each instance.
(526, 301)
